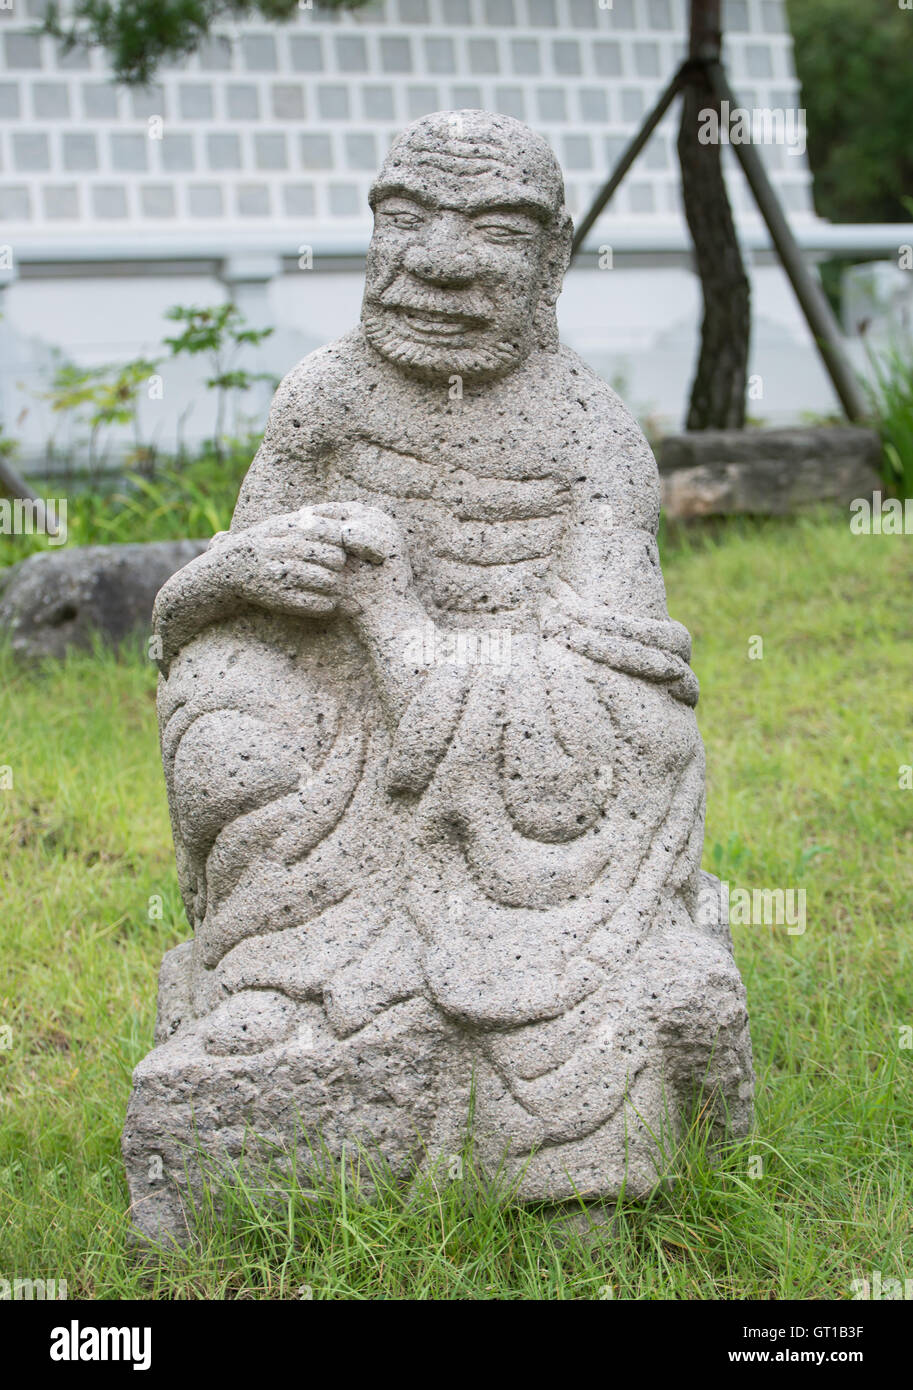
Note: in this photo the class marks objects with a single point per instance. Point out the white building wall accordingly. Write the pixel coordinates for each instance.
(266, 142)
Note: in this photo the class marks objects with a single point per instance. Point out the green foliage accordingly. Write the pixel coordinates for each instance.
(96, 397)
(891, 394)
(159, 498)
(219, 332)
(8, 445)
(138, 36)
(188, 497)
(93, 399)
(195, 499)
(853, 61)
(803, 749)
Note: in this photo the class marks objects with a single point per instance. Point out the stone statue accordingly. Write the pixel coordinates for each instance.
(435, 777)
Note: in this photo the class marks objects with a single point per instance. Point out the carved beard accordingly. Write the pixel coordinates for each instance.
(384, 330)
(424, 359)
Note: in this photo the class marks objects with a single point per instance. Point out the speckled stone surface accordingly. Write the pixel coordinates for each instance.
(435, 777)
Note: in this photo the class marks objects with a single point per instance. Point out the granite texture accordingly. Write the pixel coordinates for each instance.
(435, 778)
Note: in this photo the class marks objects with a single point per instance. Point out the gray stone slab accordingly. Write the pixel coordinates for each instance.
(766, 472)
(59, 599)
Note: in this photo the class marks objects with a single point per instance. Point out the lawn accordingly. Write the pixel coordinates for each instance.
(805, 748)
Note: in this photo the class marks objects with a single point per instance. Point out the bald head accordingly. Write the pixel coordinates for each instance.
(470, 245)
(499, 157)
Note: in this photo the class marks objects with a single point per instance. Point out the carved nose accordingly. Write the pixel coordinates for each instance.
(438, 257)
(440, 265)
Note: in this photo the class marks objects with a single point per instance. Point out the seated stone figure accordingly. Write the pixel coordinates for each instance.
(435, 778)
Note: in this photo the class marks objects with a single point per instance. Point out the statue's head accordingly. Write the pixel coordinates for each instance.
(471, 242)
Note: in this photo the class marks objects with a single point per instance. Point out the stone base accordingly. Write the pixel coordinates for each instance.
(403, 1086)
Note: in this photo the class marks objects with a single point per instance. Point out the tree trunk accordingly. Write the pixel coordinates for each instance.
(11, 485)
(718, 391)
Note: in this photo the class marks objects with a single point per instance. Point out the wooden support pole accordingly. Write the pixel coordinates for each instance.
(13, 485)
(808, 291)
(607, 191)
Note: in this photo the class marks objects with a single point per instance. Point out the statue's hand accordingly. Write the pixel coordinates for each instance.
(287, 564)
(377, 578)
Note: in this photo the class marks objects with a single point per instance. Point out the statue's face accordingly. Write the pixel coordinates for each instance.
(455, 270)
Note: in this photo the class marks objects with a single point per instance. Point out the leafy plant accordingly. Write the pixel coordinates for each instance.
(98, 397)
(193, 500)
(8, 446)
(853, 63)
(727, 859)
(220, 332)
(891, 394)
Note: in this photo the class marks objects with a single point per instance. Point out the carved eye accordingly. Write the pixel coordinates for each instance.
(402, 216)
(503, 231)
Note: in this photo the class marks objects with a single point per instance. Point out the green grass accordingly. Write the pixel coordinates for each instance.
(184, 497)
(804, 748)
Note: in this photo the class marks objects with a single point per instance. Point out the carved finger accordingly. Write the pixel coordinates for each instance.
(364, 543)
(304, 522)
(366, 532)
(345, 511)
(316, 604)
(317, 526)
(294, 548)
(297, 602)
(296, 575)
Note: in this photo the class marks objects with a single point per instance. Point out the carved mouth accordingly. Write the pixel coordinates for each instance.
(437, 323)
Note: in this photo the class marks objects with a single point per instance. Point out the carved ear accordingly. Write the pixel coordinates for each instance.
(559, 255)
